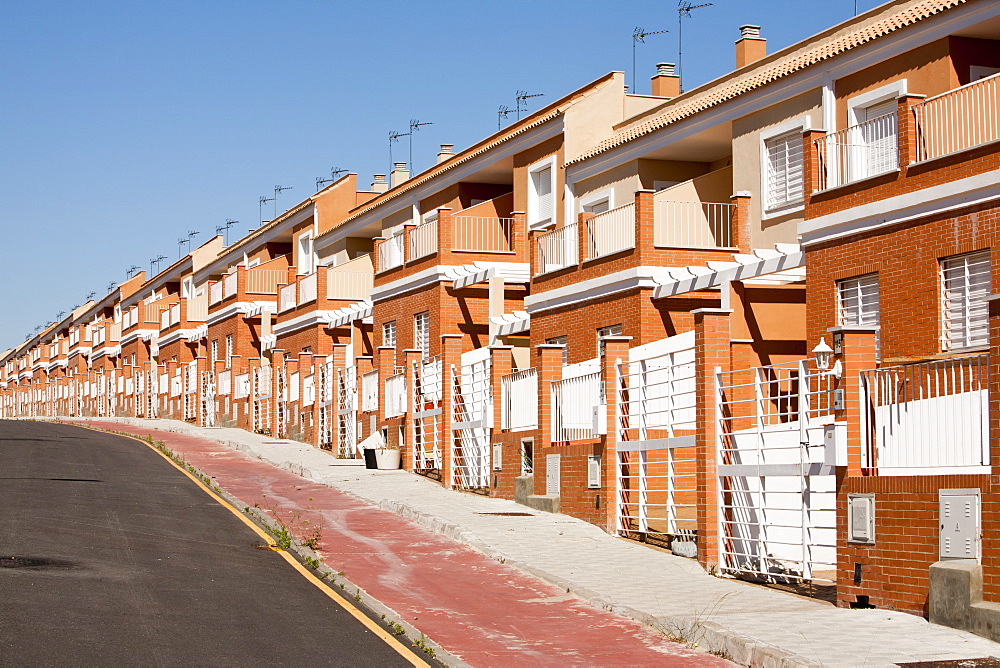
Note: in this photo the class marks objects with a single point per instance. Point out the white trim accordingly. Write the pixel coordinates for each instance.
(594, 197)
(892, 91)
(800, 124)
(311, 318)
(627, 279)
(901, 208)
(548, 162)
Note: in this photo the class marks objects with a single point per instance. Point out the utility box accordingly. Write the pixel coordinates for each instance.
(593, 471)
(861, 518)
(498, 456)
(835, 444)
(552, 471)
(600, 419)
(959, 513)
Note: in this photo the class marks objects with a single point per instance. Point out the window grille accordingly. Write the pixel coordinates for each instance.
(965, 284)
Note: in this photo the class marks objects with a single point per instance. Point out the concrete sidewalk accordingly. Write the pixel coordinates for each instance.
(750, 624)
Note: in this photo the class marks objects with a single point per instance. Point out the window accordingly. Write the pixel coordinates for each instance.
(187, 288)
(215, 351)
(229, 351)
(858, 303)
(389, 334)
(561, 341)
(422, 333)
(597, 202)
(610, 330)
(965, 284)
(784, 170)
(541, 194)
(305, 259)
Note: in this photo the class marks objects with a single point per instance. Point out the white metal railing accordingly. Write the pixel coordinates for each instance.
(574, 401)
(777, 506)
(229, 285)
(263, 281)
(693, 224)
(611, 231)
(519, 400)
(307, 289)
(369, 391)
(197, 309)
(215, 293)
(390, 252)
(351, 285)
(286, 297)
(424, 239)
(959, 119)
(858, 152)
(557, 249)
(476, 233)
(927, 416)
(395, 395)
(471, 422)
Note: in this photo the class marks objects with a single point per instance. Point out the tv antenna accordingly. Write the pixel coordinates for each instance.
(60, 315)
(502, 113)
(91, 295)
(111, 286)
(155, 261)
(684, 8)
(180, 246)
(415, 126)
(224, 229)
(277, 191)
(132, 271)
(394, 137)
(522, 101)
(334, 173)
(637, 38)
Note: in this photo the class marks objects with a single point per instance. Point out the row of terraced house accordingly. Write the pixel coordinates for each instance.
(753, 322)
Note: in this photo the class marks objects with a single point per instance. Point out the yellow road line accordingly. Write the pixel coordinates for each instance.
(381, 633)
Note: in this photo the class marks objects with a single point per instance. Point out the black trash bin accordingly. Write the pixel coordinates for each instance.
(370, 462)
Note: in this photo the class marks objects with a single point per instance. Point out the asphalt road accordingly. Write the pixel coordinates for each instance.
(110, 555)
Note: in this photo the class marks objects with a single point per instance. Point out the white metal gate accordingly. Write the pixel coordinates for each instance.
(281, 402)
(260, 399)
(776, 479)
(152, 393)
(471, 420)
(208, 398)
(190, 397)
(426, 418)
(325, 410)
(655, 444)
(347, 411)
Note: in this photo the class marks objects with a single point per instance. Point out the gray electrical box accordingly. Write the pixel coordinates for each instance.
(861, 518)
(959, 513)
(593, 471)
(498, 456)
(600, 415)
(835, 444)
(552, 472)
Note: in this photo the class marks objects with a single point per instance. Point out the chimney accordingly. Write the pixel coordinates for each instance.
(666, 83)
(750, 47)
(379, 185)
(447, 150)
(399, 174)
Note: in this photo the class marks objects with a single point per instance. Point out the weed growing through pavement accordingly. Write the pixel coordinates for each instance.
(397, 628)
(311, 563)
(357, 596)
(690, 632)
(421, 642)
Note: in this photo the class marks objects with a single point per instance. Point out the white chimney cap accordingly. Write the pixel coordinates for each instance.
(750, 32)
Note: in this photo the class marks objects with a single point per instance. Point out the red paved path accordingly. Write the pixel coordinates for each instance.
(484, 612)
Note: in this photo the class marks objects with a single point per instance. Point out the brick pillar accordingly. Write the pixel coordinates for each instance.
(407, 248)
(644, 224)
(810, 162)
(583, 237)
(519, 242)
(712, 336)
(534, 259)
(451, 354)
(907, 130)
(615, 352)
(501, 364)
(376, 244)
(446, 231)
(856, 352)
(338, 356)
(549, 361)
(740, 229)
(410, 356)
(321, 289)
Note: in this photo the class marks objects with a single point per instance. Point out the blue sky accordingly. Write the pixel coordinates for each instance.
(125, 124)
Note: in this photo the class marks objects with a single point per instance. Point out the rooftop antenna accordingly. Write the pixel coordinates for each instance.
(394, 137)
(264, 199)
(277, 191)
(502, 113)
(522, 101)
(111, 285)
(414, 127)
(684, 8)
(155, 261)
(132, 271)
(91, 295)
(60, 315)
(637, 38)
(180, 246)
(334, 173)
(224, 229)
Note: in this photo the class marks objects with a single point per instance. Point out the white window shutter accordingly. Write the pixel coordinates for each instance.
(784, 161)
(965, 284)
(542, 182)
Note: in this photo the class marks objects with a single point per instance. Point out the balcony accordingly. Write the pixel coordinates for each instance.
(246, 285)
(611, 232)
(958, 120)
(349, 282)
(557, 249)
(480, 234)
(859, 152)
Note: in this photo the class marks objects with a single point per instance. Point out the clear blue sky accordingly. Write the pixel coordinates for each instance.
(125, 124)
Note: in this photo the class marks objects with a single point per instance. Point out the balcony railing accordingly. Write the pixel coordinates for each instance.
(959, 119)
(491, 235)
(858, 152)
(353, 285)
(390, 252)
(611, 231)
(307, 289)
(286, 297)
(519, 391)
(229, 285)
(197, 309)
(263, 281)
(557, 249)
(693, 224)
(215, 293)
(423, 239)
